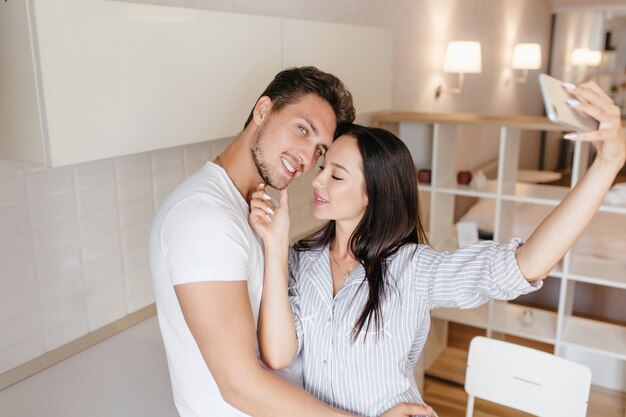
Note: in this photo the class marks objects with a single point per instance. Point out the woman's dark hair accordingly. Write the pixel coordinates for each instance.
(292, 84)
(391, 218)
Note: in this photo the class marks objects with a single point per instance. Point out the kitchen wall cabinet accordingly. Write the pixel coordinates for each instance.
(599, 344)
(82, 80)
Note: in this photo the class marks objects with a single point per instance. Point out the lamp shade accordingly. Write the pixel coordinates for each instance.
(463, 57)
(586, 57)
(527, 56)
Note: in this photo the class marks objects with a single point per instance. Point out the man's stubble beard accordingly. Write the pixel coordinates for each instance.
(264, 169)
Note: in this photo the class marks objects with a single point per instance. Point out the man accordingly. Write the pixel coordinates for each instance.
(207, 263)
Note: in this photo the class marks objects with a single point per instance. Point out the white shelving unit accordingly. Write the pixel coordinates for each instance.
(598, 344)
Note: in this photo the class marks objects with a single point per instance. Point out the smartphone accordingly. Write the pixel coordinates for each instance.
(558, 111)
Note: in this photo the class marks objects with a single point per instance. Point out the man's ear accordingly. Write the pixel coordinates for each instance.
(262, 109)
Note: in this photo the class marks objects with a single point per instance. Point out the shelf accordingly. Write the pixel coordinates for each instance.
(605, 338)
(508, 208)
(612, 209)
(508, 318)
(424, 187)
(549, 195)
(456, 189)
(475, 317)
(593, 270)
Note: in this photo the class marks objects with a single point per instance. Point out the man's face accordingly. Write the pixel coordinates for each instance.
(289, 141)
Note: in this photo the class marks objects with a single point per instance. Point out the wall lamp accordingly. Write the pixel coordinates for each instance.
(526, 56)
(462, 57)
(585, 57)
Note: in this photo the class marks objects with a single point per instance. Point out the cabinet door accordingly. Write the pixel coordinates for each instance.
(20, 124)
(120, 78)
(361, 56)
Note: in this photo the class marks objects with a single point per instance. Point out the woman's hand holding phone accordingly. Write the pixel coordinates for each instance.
(608, 138)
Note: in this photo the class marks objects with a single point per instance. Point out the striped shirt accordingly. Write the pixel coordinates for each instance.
(375, 373)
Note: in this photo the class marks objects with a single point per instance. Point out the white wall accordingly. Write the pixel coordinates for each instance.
(73, 240)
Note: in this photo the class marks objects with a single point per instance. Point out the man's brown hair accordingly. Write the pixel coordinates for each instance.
(292, 84)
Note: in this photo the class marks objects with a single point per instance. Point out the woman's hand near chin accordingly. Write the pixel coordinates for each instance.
(270, 222)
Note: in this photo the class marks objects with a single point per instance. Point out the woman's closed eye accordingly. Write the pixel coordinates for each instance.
(321, 168)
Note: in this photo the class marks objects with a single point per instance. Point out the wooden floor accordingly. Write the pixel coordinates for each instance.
(443, 390)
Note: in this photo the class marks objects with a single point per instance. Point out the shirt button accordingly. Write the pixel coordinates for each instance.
(324, 361)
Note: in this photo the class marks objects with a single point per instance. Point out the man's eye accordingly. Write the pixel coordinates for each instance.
(303, 130)
(319, 150)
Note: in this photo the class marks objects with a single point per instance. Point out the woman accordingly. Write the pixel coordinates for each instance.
(361, 289)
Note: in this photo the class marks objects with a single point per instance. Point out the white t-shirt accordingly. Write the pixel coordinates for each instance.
(200, 233)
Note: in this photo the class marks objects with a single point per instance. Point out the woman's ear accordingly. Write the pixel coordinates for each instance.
(262, 109)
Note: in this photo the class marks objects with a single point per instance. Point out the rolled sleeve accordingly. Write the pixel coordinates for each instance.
(471, 276)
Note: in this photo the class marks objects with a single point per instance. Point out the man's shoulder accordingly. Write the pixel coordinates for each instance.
(203, 194)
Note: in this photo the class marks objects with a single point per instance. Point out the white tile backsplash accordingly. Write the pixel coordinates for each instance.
(51, 183)
(138, 290)
(98, 224)
(16, 276)
(13, 192)
(17, 355)
(167, 160)
(135, 236)
(136, 259)
(194, 156)
(133, 166)
(96, 200)
(53, 210)
(136, 213)
(74, 242)
(20, 330)
(14, 220)
(165, 183)
(109, 293)
(97, 274)
(19, 303)
(10, 169)
(61, 289)
(102, 316)
(65, 321)
(16, 248)
(94, 174)
(58, 336)
(63, 260)
(136, 190)
(101, 247)
(50, 237)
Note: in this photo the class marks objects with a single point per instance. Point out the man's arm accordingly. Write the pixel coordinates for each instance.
(219, 316)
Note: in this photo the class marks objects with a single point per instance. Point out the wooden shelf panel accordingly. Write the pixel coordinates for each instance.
(605, 338)
(465, 190)
(521, 122)
(593, 270)
(509, 318)
(537, 194)
(476, 317)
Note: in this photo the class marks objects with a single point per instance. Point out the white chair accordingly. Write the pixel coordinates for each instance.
(525, 379)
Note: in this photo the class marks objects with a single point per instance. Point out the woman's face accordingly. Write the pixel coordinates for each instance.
(339, 187)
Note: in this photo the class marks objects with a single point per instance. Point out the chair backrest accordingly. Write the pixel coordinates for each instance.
(525, 379)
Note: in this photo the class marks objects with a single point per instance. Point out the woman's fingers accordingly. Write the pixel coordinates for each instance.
(259, 215)
(591, 100)
(595, 135)
(592, 85)
(591, 93)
